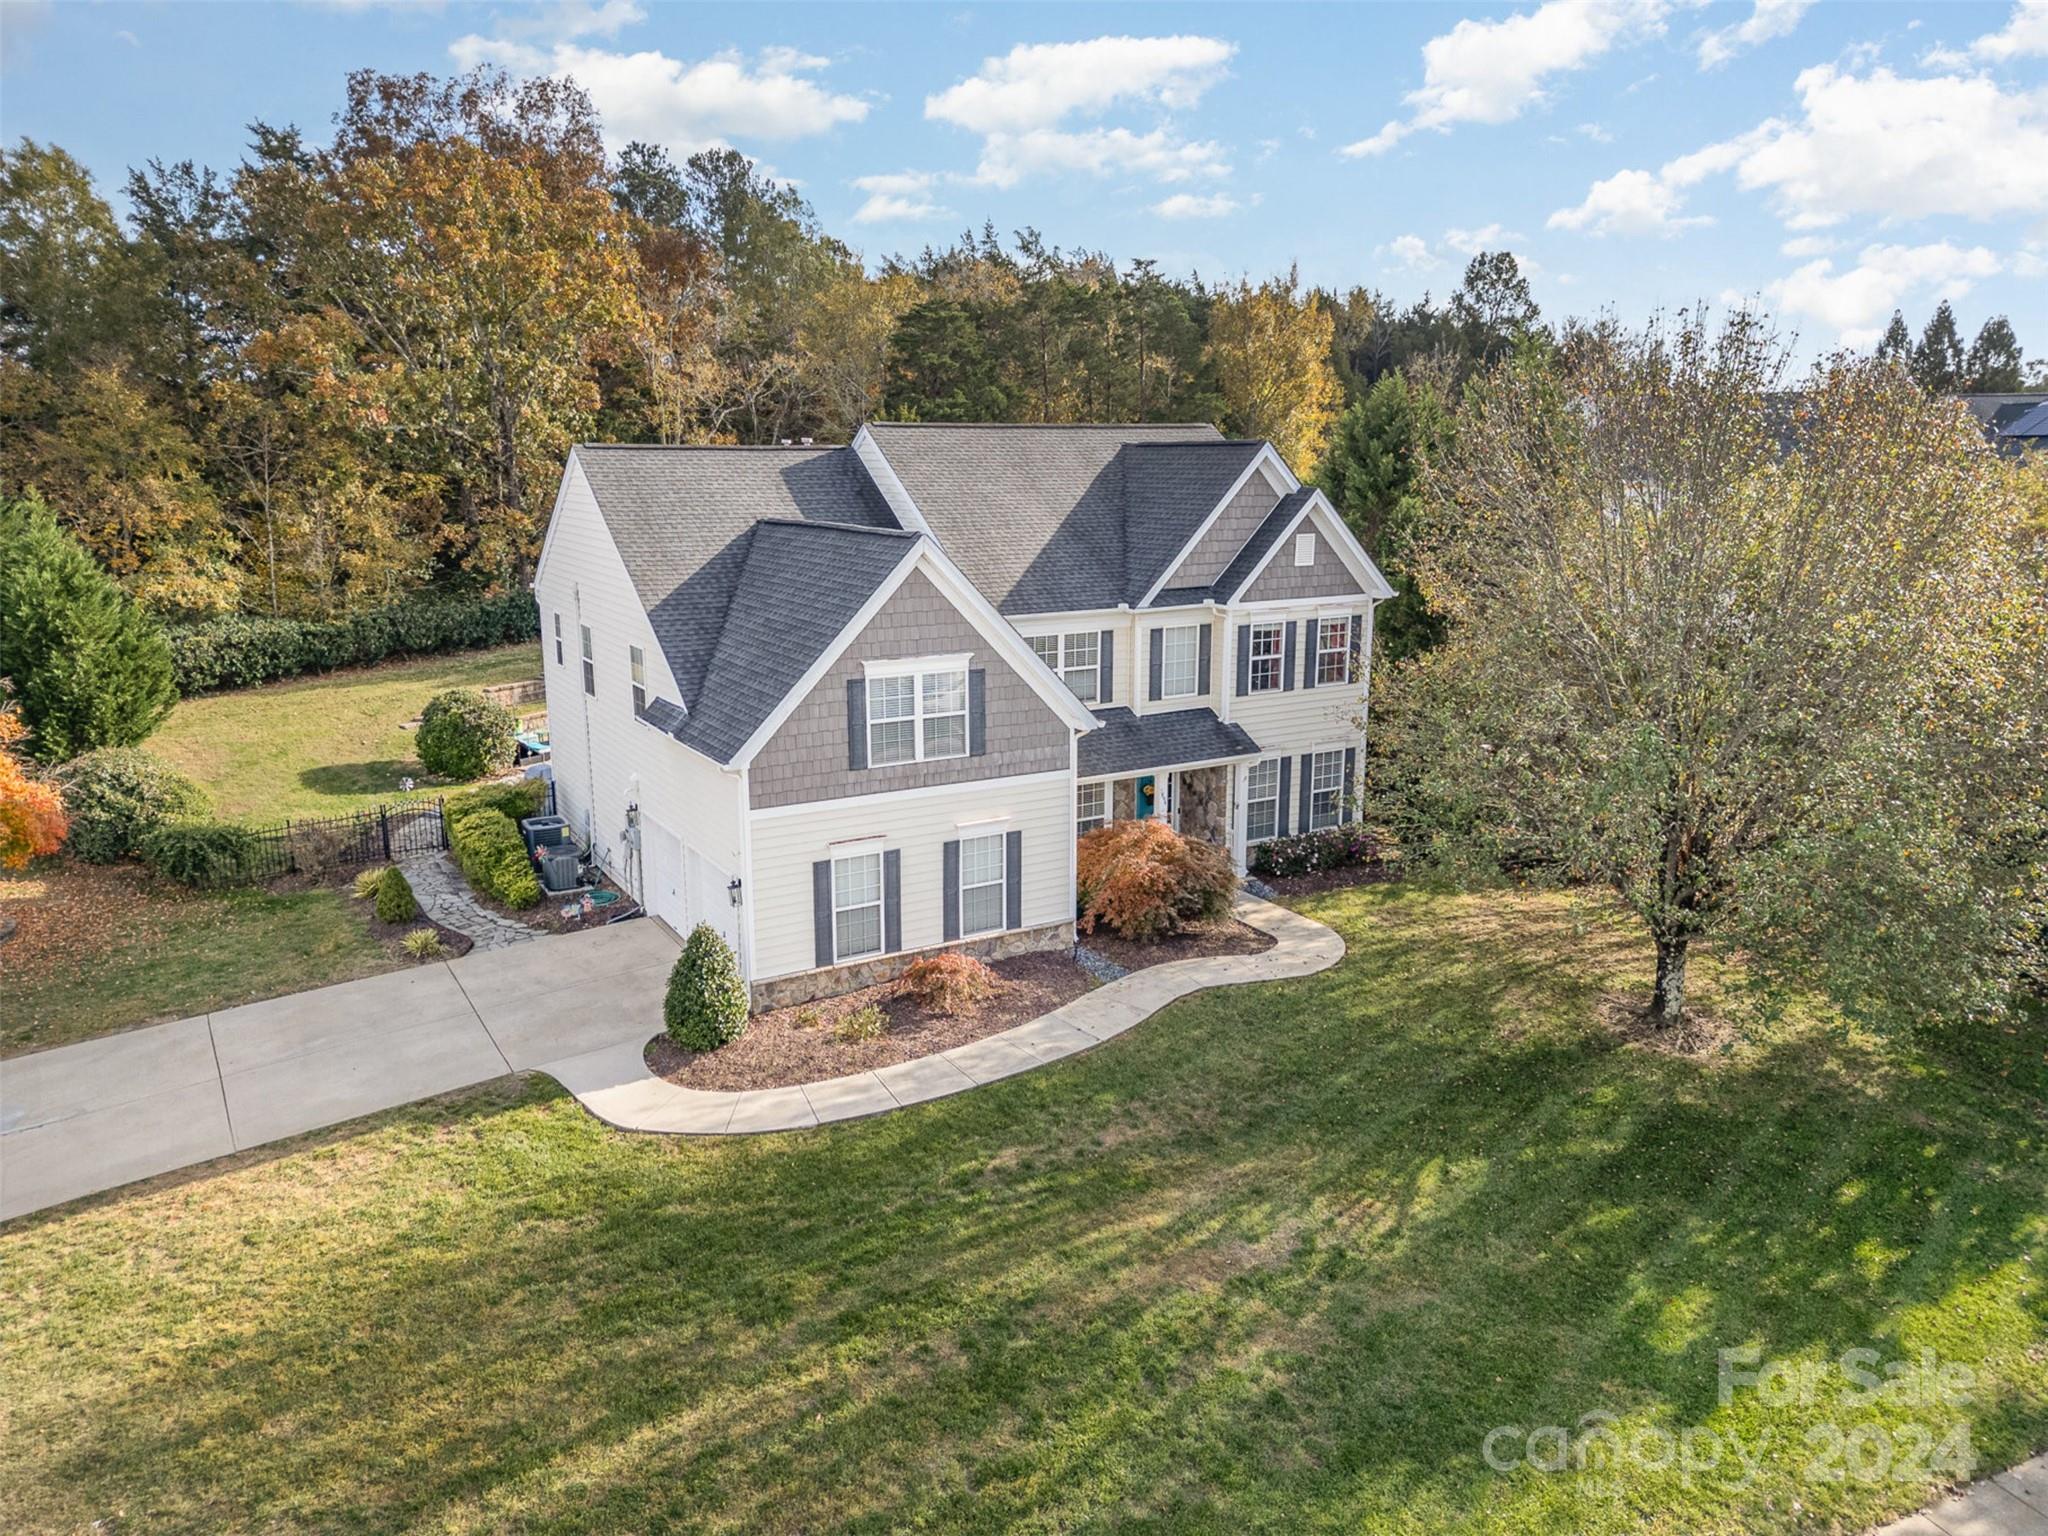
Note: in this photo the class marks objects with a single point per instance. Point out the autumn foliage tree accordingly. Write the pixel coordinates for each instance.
(31, 812)
(1271, 346)
(1775, 678)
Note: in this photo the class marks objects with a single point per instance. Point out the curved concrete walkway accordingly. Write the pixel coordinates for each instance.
(614, 1084)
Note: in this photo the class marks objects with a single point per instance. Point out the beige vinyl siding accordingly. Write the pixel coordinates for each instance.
(786, 843)
(1122, 676)
(1141, 696)
(604, 758)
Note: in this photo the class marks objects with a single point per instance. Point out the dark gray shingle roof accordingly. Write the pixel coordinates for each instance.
(799, 584)
(1128, 743)
(1050, 518)
(664, 715)
(680, 517)
(1246, 560)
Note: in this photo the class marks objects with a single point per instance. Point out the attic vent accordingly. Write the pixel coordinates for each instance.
(805, 441)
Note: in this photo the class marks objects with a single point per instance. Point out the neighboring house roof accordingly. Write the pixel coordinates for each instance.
(1048, 519)
(1128, 743)
(799, 585)
(680, 518)
(2033, 423)
(2000, 413)
(1246, 561)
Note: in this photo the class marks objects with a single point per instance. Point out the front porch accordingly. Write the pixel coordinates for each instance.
(1177, 766)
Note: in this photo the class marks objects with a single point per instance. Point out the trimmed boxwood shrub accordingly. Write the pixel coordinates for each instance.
(395, 901)
(1143, 880)
(1306, 852)
(117, 795)
(518, 800)
(493, 857)
(204, 854)
(463, 735)
(239, 652)
(706, 1006)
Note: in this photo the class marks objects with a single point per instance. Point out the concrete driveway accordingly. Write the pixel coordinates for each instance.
(83, 1118)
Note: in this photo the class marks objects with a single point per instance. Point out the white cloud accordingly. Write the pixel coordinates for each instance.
(1492, 71)
(1412, 251)
(2025, 35)
(1596, 132)
(684, 105)
(1854, 303)
(125, 36)
(1768, 19)
(1019, 102)
(1804, 246)
(1187, 205)
(1879, 144)
(1470, 242)
(899, 197)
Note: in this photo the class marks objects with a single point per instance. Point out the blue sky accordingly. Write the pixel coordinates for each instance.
(1838, 159)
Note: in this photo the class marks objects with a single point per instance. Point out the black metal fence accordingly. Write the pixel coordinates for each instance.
(379, 835)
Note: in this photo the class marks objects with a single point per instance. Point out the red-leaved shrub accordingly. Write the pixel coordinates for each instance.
(1143, 880)
(950, 983)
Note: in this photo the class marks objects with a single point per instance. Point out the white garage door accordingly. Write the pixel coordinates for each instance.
(664, 878)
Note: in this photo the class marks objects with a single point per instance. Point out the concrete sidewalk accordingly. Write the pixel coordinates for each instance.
(2011, 1503)
(87, 1117)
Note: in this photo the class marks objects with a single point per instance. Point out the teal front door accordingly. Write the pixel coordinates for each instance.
(1145, 797)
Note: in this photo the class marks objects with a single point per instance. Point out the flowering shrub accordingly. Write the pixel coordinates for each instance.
(1307, 852)
(950, 983)
(1143, 880)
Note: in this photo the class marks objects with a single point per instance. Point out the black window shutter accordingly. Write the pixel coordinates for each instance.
(1287, 658)
(1349, 811)
(1308, 793)
(1013, 880)
(977, 712)
(856, 722)
(1202, 647)
(1357, 646)
(1244, 660)
(1158, 662)
(1312, 632)
(821, 911)
(1105, 661)
(1280, 807)
(892, 899)
(952, 889)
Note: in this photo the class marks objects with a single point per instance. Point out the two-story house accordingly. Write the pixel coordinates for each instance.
(854, 704)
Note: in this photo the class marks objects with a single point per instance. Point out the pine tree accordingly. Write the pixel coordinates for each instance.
(91, 669)
(1897, 345)
(1938, 359)
(1994, 366)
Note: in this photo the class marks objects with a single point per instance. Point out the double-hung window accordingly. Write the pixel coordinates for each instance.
(1262, 801)
(917, 715)
(1179, 660)
(856, 905)
(1091, 808)
(1325, 790)
(981, 883)
(558, 640)
(637, 660)
(589, 662)
(1333, 651)
(1266, 666)
(1077, 659)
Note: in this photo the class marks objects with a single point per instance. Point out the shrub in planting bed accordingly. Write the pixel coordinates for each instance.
(395, 900)
(493, 857)
(706, 1005)
(950, 983)
(1307, 852)
(1143, 880)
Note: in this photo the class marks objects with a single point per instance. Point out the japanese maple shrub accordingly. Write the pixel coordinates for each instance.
(1143, 880)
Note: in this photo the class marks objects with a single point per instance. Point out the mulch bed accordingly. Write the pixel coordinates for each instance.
(1331, 879)
(1225, 937)
(798, 1045)
(453, 945)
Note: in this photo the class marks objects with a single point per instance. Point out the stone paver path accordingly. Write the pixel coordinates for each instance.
(2012, 1503)
(615, 1085)
(445, 897)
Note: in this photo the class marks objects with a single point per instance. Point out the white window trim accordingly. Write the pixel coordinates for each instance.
(1342, 651)
(559, 654)
(1100, 787)
(919, 673)
(1278, 660)
(1336, 791)
(1272, 799)
(636, 672)
(846, 855)
(1063, 642)
(588, 646)
(1000, 883)
(1305, 548)
(1194, 687)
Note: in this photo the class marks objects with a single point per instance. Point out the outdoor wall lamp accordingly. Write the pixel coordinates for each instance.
(732, 889)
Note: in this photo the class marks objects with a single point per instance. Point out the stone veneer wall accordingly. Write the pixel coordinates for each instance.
(833, 981)
(1123, 800)
(1205, 805)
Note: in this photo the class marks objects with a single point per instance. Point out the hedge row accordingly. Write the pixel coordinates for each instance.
(239, 651)
(493, 856)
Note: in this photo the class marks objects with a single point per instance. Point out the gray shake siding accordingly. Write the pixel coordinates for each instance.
(807, 759)
(1238, 522)
(1283, 580)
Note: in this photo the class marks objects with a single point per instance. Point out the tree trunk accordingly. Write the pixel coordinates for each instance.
(1669, 1003)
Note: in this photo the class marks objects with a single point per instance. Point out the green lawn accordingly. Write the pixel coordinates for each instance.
(102, 949)
(1277, 1260)
(318, 746)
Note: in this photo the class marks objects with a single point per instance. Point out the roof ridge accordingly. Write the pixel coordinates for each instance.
(720, 447)
(822, 524)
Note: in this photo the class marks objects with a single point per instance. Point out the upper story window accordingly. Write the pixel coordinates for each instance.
(1179, 660)
(1333, 651)
(558, 640)
(637, 660)
(913, 716)
(1326, 790)
(1266, 668)
(589, 662)
(1077, 658)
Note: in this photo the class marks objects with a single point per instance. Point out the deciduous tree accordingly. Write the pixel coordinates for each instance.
(1271, 346)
